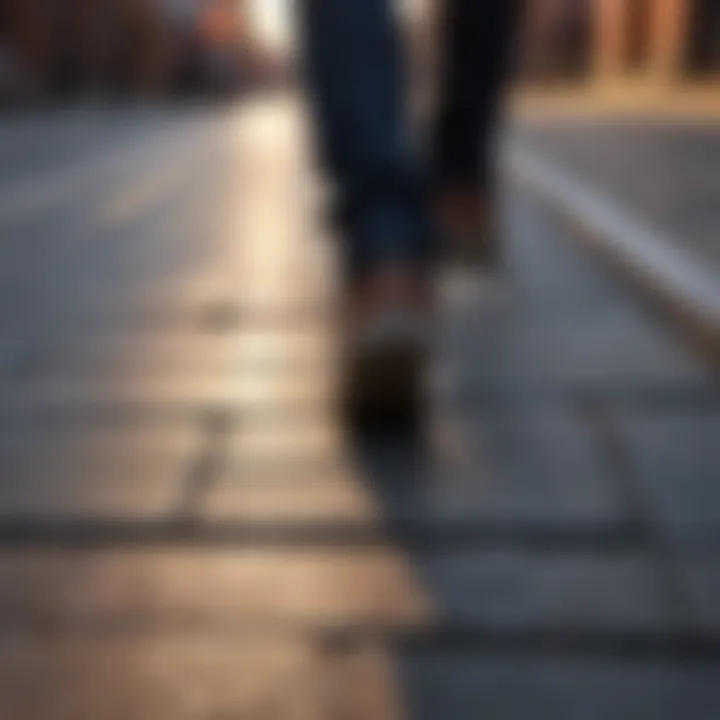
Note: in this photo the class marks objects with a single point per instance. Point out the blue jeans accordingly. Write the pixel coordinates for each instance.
(355, 72)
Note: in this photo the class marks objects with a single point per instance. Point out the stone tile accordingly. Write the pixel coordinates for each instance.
(177, 366)
(559, 690)
(521, 463)
(364, 683)
(10, 350)
(184, 351)
(34, 417)
(677, 461)
(295, 470)
(199, 392)
(140, 365)
(304, 501)
(309, 346)
(700, 573)
(288, 441)
(271, 587)
(218, 589)
(186, 677)
(504, 590)
(307, 373)
(136, 471)
(98, 356)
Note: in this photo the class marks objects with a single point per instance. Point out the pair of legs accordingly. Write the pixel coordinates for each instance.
(355, 70)
(386, 189)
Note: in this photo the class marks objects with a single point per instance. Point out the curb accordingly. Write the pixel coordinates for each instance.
(685, 291)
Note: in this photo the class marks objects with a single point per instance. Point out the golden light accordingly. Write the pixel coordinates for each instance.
(271, 23)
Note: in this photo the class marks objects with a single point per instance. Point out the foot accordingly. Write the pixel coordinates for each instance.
(387, 337)
(467, 223)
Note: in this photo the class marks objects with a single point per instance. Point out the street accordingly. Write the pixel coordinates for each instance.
(185, 531)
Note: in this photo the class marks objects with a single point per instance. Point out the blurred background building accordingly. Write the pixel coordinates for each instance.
(607, 40)
(619, 40)
(67, 47)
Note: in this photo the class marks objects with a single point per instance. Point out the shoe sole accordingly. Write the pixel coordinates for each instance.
(385, 384)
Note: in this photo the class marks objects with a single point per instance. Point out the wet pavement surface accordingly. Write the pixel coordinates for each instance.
(185, 530)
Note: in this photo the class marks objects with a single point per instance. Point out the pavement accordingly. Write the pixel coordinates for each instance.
(645, 189)
(666, 170)
(185, 531)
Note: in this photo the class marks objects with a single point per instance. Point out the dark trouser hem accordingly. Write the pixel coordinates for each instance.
(478, 38)
(387, 234)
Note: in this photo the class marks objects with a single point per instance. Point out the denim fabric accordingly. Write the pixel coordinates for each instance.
(356, 77)
(477, 37)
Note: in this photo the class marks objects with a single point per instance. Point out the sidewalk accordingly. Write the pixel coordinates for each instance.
(651, 201)
(186, 533)
(667, 171)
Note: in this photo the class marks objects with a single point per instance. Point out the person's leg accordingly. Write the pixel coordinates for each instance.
(354, 69)
(477, 40)
(355, 75)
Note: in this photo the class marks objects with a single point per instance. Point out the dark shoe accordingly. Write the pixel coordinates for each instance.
(468, 228)
(386, 346)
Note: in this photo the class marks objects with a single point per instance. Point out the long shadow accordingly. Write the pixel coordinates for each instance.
(468, 664)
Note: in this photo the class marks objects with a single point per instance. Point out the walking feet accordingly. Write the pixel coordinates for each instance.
(387, 337)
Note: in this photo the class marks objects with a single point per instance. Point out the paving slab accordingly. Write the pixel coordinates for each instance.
(515, 591)
(261, 586)
(513, 464)
(212, 590)
(559, 690)
(183, 677)
(700, 573)
(677, 460)
(85, 471)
